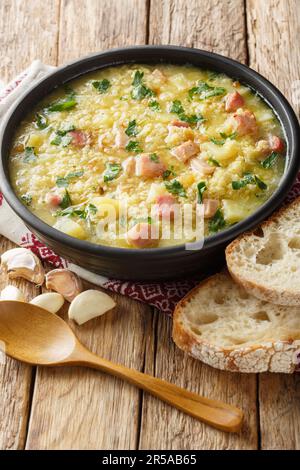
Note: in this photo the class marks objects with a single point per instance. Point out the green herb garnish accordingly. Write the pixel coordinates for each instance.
(61, 135)
(131, 129)
(206, 91)
(249, 179)
(66, 200)
(154, 157)
(213, 162)
(175, 187)
(112, 171)
(27, 199)
(41, 122)
(167, 173)
(63, 182)
(217, 222)
(177, 108)
(217, 141)
(62, 105)
(78, 211)
(101, 85)
(153, 104)
(201, 187)
(140, 91)
(270, 160)
(224, 137)
(29, 155)
(133, 146)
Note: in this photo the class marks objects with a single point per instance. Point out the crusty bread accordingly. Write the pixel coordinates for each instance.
(266, 261)
(221, 324)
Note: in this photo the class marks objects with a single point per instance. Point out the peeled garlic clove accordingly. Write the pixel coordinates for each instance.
(50, 301)
(65, 282)
(12, 293)
(90, 304)
(20, 262)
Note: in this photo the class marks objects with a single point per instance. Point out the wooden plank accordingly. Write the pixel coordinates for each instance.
(27, 33)
(15, 379)
(163, 427)
(212, 25)
(18, 22)
(88, 26)
(83, 409)
(273, 51)
(217, 26)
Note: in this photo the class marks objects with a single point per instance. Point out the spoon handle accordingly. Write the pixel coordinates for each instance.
(213, 412)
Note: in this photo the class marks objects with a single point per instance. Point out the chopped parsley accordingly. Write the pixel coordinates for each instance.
(270, 160)
(177, 108)
(204, 91)
(101, 85)
(217, 222)
(131, 128)
(78, 211)
(62, 105)
(27, 199)
(66, 200)
(41, 122)
(63, 182)
(224, 137)
(133, 146)
(61, 135)
(167, 173)
(213, 162)
(249, 179)
(153, 104)
(112, 171)
(154, 157)
(29, 155)
(175, 187)
(139, 220)
(140, 90)
(201, 188)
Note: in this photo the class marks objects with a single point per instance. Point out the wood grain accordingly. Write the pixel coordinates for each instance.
(27, 33)
(214, 25)
(88, 26)
(220, 27)
(15, 380)
(274, 51)
(83, 409)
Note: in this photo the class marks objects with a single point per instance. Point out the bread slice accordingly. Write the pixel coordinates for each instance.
(266, 261)
(219, 323)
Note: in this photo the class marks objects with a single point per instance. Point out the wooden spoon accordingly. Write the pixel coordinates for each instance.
(36, 336)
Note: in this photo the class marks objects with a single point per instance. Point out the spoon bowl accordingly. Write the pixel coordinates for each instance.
(32, 334)
(36, 336)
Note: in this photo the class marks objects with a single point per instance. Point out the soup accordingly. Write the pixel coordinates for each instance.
(115, 156)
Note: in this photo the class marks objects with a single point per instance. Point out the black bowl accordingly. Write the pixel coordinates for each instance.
(157, 263)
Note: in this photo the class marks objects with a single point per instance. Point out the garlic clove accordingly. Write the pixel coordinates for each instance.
(51, 301)
(65, 282)
(12, 293)
(90, 304)
(20, 262)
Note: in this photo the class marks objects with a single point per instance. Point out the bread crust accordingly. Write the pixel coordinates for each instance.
(277, 356)
(282, 296)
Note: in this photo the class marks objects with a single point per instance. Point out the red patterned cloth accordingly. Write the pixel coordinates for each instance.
(163, 296)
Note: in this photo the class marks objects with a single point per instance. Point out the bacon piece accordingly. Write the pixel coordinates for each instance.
(166, 206)
(129, 166)
(245, 123)
(276, 143)
(210, 207)
(139, 236)
(201, 166)
(149, 166)
(79, 138)
(53, 200)
(177, 123)
(233, 101)
(186, 150)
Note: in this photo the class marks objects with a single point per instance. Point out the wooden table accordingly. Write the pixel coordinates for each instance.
(80, 409)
